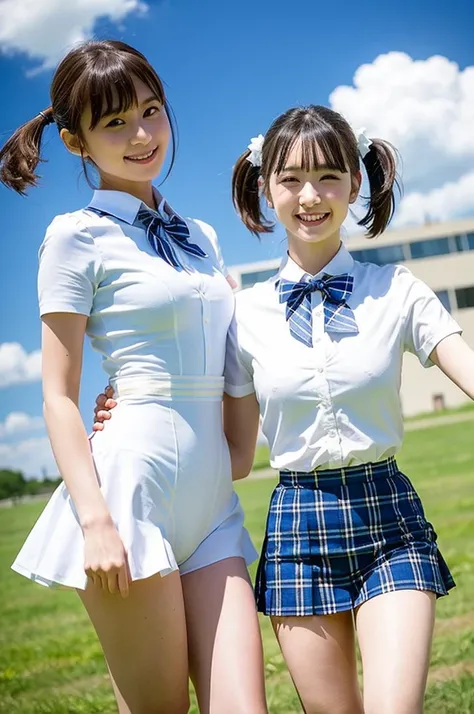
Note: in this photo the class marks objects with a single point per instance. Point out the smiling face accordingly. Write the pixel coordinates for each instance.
(127, 147)
(311, 201)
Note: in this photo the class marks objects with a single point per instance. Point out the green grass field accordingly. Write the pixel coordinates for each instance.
(51, 663)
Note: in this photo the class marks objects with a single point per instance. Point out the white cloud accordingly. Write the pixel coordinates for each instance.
(32, 456)
(19, 422)
(45, 29)
(17, 366)
(424, 107)
(454, 198)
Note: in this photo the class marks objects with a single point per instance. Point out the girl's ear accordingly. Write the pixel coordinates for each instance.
(261, 191)
(356, 182)
(72, 143)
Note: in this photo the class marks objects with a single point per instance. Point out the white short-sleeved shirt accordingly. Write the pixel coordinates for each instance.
(145, 317)
(337, 403)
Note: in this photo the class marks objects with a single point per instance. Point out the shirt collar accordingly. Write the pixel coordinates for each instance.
(125, 207)
(343, 262)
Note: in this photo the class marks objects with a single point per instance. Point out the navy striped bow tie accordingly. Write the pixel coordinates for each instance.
(338, 316)
(161, 234)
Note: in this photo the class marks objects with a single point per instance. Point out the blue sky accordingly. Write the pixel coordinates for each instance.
(230, 68)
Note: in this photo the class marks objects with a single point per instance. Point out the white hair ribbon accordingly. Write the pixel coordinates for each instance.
(255, 148)
(363, 142)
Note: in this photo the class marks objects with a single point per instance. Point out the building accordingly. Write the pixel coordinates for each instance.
(440, 254)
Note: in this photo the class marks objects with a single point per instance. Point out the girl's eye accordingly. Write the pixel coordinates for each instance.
(331, 177)
(151, 111)
(287, 179)
(115, 122)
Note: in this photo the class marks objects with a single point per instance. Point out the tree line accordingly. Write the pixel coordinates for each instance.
(13, 484)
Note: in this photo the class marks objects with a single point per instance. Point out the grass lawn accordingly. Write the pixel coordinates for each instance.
(50, 660)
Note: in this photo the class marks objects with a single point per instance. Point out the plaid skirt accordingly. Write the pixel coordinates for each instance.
(337, 537)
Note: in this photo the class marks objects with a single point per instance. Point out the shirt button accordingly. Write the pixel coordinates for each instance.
(320, 370)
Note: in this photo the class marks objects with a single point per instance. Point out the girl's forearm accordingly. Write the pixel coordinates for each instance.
(73, 456)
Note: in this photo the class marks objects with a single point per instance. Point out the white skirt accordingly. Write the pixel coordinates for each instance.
(163, 465)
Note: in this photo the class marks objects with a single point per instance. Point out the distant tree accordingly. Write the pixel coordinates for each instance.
(32, 487)
(51, 483)
(12, 484)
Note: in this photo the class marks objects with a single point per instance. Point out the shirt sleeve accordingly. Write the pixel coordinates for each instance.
(70, 268)
(238, 372)
(426, 320)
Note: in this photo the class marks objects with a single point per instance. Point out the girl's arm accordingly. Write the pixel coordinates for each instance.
(62, 347)
(241, 419)
(455, 358)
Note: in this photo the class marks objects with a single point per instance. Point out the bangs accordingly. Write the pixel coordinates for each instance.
(109, 86)
(320, 147)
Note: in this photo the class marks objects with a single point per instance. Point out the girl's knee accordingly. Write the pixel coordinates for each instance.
(154, 704)
(390, 705)
(175, 707)
(347, 707)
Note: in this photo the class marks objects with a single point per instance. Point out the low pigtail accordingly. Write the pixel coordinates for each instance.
(380, 162)
(246, 195)
(21, 154)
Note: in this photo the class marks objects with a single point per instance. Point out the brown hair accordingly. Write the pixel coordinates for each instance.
(96, 73)
(323, 128)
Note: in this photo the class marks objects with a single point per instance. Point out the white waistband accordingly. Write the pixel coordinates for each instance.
(170, 387)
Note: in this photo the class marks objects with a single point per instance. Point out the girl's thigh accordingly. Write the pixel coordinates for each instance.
(395, 632)
(225, 647)
(319, 651)
(145, 643)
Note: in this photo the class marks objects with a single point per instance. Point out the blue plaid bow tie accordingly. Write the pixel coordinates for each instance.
(161, 234)
(338, 316)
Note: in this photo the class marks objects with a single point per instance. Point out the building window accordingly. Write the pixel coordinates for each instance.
(438, 402)
(387, 254)
(465, 297)
(256, 276)
(443, 296)
(459, 243)
(470, 240)
(382, 255)
(429, 248)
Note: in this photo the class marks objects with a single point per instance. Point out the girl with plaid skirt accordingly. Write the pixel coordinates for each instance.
(347, 546)
(316, 352)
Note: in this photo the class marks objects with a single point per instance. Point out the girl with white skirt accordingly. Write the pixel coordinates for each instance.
(146, 525)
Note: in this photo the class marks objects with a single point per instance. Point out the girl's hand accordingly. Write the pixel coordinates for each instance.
(104, 403)
(105, 558)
